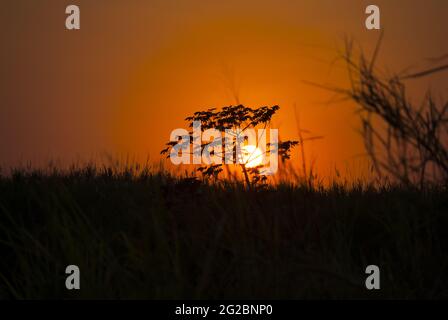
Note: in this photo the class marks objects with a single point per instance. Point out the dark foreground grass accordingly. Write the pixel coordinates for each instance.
(152, 236)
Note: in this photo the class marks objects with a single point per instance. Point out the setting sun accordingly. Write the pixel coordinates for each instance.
(252, 156)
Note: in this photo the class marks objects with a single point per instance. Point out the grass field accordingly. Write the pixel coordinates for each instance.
(148, 235)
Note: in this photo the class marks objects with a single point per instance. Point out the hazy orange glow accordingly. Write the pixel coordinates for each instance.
(136, 69)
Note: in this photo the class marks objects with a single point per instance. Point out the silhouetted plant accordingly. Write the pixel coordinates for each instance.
(403, 140)
(235, 119)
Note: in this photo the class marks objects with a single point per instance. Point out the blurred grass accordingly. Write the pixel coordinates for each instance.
(138, 233)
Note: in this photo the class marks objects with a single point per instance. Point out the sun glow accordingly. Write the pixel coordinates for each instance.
(252, 156)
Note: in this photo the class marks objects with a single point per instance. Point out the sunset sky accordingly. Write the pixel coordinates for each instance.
(137, 68)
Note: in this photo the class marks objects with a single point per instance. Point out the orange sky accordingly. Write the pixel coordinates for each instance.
(137, 68)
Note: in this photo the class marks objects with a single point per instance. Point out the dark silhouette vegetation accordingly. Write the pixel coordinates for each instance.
(135, 233)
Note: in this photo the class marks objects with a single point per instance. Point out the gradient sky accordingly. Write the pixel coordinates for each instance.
(137, 68)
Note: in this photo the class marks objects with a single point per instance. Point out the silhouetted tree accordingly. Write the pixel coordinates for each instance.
(235, 119)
